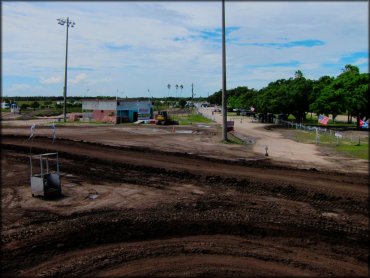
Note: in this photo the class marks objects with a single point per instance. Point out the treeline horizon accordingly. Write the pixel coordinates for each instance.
(75, 98)
(348, 93)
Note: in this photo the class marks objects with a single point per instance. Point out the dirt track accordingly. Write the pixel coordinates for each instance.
(161, 213)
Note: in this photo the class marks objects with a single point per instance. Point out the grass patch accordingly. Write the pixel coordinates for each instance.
(233, 140)
(345, 146)
(314, 121)
(189, 119)
(358, 151)
(55, 111)
(310, 137)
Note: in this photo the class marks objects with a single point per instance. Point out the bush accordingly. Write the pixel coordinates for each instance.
(24, 106)
(35, 104)
(182, 103)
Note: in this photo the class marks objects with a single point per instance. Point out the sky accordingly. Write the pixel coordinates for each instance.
(137, 48)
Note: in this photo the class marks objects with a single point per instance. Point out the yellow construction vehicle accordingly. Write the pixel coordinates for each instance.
(163, 119)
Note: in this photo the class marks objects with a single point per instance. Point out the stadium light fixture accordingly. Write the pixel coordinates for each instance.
(68, 23)
(224, 94)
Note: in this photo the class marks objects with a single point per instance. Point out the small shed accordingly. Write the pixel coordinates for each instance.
(45, 181)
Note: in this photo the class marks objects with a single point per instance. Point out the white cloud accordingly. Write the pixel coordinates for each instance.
(99, 80)
(51, 80)
(20, 86)
(132, 46)
(21, 89)
(79, 78)
(361, 61)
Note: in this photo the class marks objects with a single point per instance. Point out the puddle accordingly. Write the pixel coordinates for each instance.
(184, 131)
(330, 214)
(206, 126)
(93, 196)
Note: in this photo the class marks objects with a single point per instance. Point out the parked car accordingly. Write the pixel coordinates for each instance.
(248, 113)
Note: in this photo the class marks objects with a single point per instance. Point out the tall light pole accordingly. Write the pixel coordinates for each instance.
(69, 23)
(192, 97)
(224, 96)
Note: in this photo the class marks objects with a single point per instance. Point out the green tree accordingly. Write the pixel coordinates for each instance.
(317, 87)
(233, 97)
(286, 96)
(215, 98)
(241, 97)
(182, 103)
(247, 99)
(47, 102)
(330, 101)
(362, 96)
(355, 90)
(348, 92)
(24, 106)
(35, 105)
(298, 74)
(272, 98)
(298, 92)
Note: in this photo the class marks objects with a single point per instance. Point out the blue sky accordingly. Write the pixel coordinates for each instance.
(135, 49)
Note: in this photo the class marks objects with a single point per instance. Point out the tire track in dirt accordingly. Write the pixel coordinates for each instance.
(237, 212)
(105, 169)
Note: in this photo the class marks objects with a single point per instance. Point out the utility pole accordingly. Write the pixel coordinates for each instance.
(224, 96)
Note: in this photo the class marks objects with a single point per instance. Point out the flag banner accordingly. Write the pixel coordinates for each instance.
(364, 124)
(32, 131)
(323, 120)
(54, 135)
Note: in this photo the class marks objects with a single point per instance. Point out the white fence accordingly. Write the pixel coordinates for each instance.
(319, 135)
(332, 136)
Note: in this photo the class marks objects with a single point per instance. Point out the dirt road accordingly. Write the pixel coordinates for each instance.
(143, 208)
(286, 151)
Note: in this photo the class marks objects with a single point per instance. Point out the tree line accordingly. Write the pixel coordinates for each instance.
(348, 93)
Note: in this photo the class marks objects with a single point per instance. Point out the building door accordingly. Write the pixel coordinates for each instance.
(135, 116)
(123, 116)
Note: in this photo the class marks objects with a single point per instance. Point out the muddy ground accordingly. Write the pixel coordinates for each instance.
(196, 208)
